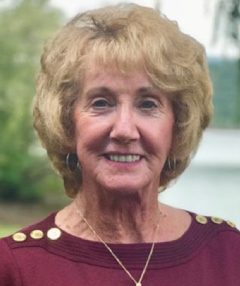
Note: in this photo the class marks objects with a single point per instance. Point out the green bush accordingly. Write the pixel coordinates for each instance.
(24, 26)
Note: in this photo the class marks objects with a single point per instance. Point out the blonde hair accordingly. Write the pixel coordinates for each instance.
(130, 37)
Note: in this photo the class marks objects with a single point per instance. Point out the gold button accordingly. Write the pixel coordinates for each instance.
(230, 223)
(19, 236)
(201, 219)
(36, 234)
(54, 233)
(216, 220)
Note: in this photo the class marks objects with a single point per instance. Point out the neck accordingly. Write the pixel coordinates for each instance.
(118, 217)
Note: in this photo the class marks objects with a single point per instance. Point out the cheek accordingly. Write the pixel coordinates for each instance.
(167, 133)
(90, 134)
(159, 137)
(167, 129)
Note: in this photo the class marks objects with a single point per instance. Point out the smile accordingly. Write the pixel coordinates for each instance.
(123, 158)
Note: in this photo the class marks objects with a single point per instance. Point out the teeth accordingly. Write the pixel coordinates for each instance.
(124, 158)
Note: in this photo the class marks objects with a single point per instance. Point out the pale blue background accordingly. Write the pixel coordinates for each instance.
(211, 185)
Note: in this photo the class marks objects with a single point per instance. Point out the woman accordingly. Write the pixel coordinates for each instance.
(122, 99)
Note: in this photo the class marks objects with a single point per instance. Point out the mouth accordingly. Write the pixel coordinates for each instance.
(126, 158)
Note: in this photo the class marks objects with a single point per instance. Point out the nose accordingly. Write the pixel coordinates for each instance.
(125, 128)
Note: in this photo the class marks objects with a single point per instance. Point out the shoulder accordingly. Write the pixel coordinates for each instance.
(15, 249)
(9, 265)
(9, 274)
(18, 251)
(219, 247)
(218, 234)
(31, 234)
(214, 223)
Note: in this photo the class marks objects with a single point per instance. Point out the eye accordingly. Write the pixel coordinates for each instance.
(100, 103)
(148, 104)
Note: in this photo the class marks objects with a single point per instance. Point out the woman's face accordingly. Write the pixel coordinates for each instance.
(123, 130)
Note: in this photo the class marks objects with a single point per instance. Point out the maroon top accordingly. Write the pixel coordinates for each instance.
(207, 255)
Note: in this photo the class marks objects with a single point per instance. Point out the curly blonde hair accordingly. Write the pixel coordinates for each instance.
(131, 37)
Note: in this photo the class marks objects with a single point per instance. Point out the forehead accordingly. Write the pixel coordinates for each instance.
(113, 77)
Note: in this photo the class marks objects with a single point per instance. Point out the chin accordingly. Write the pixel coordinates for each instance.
(124, 186)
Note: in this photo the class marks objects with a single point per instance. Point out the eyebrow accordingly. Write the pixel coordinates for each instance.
(102, 89)
(149, 89)
(107, 90)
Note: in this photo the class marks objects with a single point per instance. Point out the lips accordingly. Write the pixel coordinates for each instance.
(123, 158)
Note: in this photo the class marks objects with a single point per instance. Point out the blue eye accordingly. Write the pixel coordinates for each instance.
(148, 104)
(100, 103)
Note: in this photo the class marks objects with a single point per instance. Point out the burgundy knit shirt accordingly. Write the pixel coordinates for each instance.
(208, 254)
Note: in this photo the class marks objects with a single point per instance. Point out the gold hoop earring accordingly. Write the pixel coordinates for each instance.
(171, 164)
(72, 162)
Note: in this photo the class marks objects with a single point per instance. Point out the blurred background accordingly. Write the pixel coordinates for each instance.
(29, 188)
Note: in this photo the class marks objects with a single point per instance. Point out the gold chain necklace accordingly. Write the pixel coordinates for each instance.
(137, 283)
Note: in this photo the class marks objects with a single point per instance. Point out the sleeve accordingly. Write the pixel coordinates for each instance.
(9, 273)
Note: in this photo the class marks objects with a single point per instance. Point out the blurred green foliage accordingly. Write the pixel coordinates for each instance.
(24, 27)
